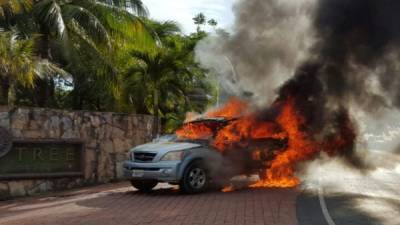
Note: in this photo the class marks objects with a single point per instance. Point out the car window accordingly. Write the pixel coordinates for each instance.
(199, 130)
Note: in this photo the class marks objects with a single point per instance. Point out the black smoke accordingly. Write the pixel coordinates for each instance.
(355, 61)
(340, 55)
(358, 42)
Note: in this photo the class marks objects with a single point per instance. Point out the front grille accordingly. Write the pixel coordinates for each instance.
(144, 168)
(144, 156)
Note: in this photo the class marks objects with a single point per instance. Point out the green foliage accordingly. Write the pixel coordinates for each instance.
(20, 66)
(10, 8)
(199, 19)
(212, 22)
(17, 63)
(100, 55)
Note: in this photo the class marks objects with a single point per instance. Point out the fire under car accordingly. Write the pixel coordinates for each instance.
(194, 163)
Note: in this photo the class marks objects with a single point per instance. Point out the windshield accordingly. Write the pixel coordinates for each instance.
(175, 138)
(166, 138)
(202, 130)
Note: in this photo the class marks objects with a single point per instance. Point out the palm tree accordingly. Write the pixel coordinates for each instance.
(167, 79)
(72, 30)
(213, 23)
(16, 64)
(157, 69)
(162, 30)
(19, 65)
(199, 20)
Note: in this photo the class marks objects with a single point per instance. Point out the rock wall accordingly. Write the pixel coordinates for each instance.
(107, 138)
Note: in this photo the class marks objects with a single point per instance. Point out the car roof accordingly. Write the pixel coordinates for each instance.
(213, 119)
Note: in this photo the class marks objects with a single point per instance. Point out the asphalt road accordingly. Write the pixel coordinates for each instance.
(337, 195)
(353, 200)
(332, 196)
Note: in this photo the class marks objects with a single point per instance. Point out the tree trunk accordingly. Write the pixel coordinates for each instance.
(48, 85)
(77, 93)
(5, 89)
(12, 98)
(156, 108)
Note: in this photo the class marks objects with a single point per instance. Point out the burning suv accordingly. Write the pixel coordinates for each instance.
(195, 161)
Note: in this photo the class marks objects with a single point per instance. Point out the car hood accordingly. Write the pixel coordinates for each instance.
(163, 147)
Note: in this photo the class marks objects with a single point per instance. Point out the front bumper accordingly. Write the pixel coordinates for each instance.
(161, 171)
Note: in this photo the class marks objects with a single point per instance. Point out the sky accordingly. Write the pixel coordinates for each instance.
(182, 11)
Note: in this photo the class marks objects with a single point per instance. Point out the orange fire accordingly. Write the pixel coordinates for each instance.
(194, 131)
(229, 188)
(289, 124)
(300, 147)
(245, 129)
(234, 108)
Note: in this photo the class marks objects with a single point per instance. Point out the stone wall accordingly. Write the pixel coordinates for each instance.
(107, 138)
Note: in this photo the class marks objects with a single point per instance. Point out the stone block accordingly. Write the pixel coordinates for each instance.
(17, 188)
(33, 134)
(19, 119)
(4, 191)
(40, 186)
(4, 120)
(118, 132)
(120, 145)
(107, 146)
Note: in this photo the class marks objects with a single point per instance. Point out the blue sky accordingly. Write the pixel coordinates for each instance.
(182, 11)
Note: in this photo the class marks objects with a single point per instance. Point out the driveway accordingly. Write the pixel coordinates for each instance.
(334, 196)
(120, 204)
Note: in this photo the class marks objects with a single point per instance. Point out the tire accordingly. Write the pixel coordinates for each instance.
(144, 185)
(195, 178)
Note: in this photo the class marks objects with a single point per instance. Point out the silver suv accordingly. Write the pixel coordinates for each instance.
(192, 164)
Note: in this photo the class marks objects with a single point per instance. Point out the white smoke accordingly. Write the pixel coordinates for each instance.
(270, 39)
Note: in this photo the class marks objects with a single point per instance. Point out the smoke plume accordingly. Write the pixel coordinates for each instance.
(329, 55)
(269, 41)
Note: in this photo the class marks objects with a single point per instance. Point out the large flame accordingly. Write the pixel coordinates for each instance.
(289, 124)
(244, 130)
(234, 108)
(300, 147)
(194, 131)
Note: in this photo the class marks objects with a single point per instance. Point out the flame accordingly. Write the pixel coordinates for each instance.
(229, 188)
(289, 125)
(243, 130)
(300, 147)
(194, 131)
(234, 108)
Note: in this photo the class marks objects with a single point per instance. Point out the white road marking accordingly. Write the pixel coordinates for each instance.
(324, 208)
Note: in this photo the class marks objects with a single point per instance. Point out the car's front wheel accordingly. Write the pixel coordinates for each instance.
(144, 185)
(195, 178)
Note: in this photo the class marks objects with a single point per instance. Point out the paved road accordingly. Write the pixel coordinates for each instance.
(337, 195)
(334, 198)
(120, 204)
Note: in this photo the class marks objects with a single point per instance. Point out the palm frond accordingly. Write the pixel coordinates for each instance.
(135, 6)
(13, 7)
(91, 24)
(45, 68)
(49, 13)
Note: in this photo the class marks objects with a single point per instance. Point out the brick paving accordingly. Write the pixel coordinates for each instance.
(351, 198)
(120, 204)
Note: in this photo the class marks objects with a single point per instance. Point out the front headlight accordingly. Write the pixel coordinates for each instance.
(173, 156)
(132, 156)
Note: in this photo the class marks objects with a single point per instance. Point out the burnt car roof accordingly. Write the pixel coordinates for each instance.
(214, 119)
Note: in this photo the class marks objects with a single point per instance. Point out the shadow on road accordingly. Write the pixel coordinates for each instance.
(344, 209)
